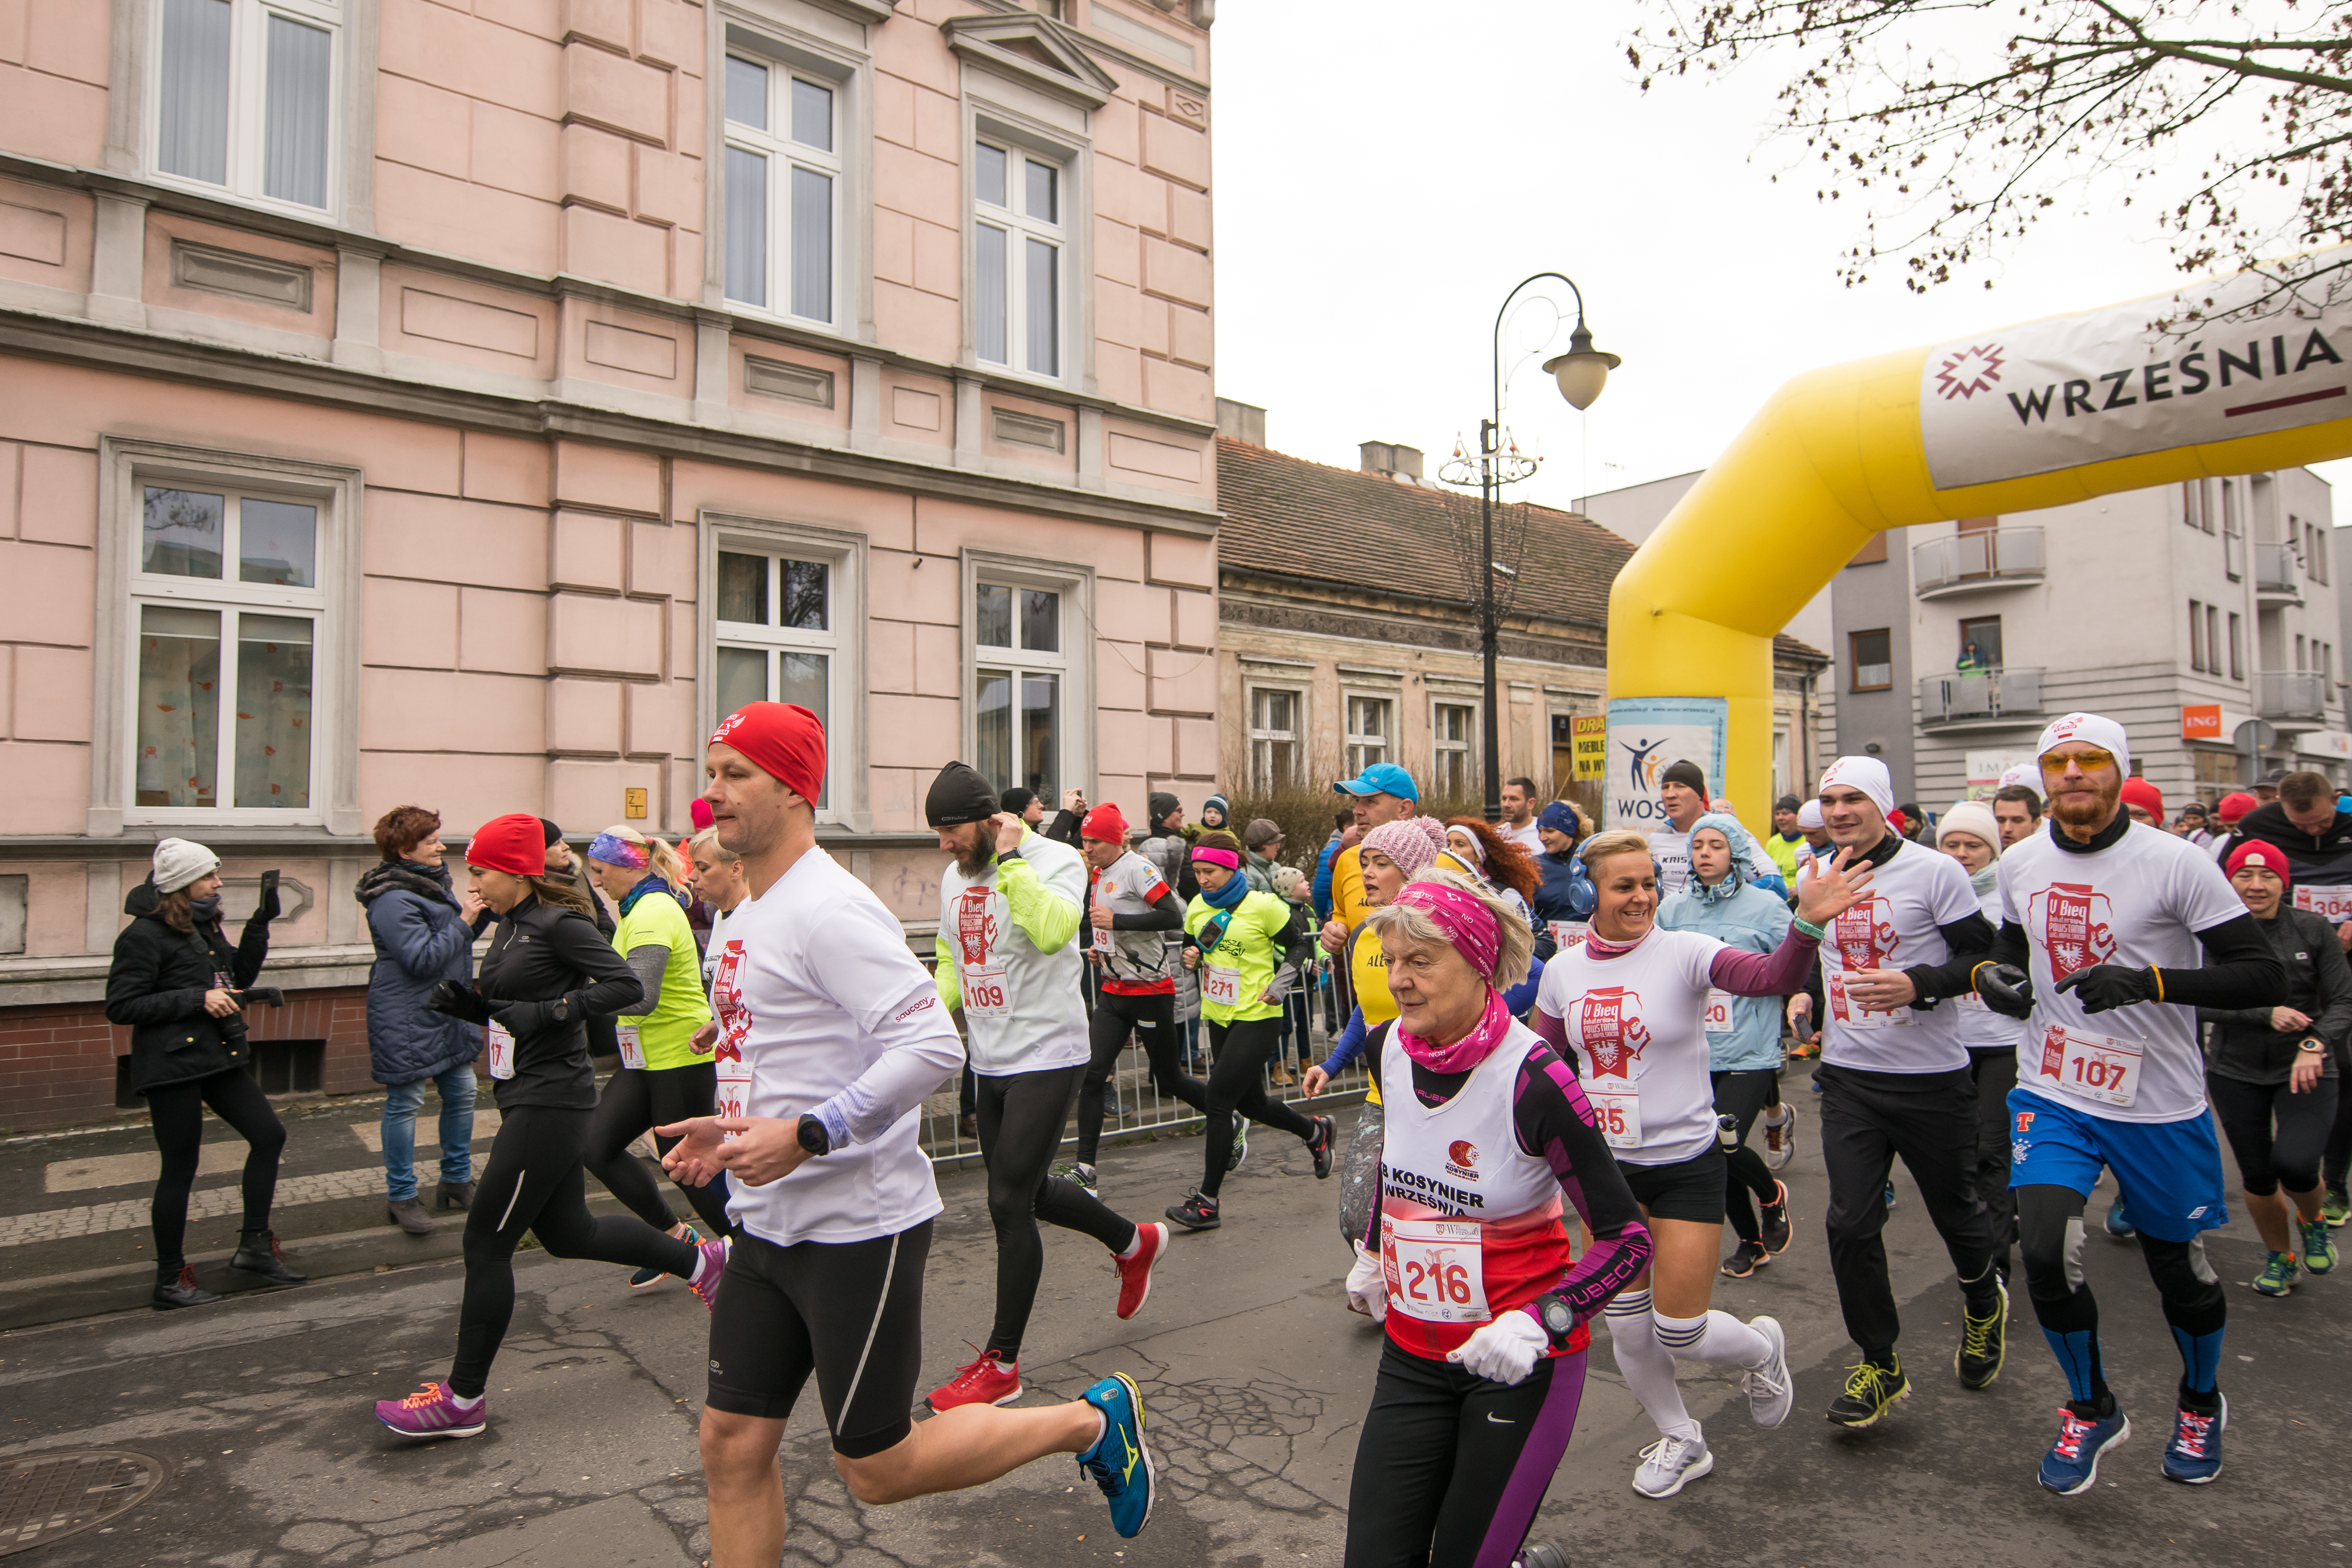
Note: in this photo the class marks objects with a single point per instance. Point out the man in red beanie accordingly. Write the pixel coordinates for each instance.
(2143, 801)
(1133, 911)
(830, 1037)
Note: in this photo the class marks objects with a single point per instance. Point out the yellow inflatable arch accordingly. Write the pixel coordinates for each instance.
(2240, 375)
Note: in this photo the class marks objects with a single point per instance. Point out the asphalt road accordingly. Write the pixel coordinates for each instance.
(1255, 1377)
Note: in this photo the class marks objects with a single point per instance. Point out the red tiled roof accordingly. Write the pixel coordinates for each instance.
(1289, 516)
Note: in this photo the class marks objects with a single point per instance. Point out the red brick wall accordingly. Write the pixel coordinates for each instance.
(56, 1064)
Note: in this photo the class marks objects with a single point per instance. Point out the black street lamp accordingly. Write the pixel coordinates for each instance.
(1580, 375)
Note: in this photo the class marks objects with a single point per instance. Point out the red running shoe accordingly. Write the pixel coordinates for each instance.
(990, 1380)
(1135, 1273)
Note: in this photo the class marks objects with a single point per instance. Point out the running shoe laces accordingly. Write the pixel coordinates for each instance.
(1975, 1333)
(2195, 1434)
(2072, 1430)
(431, 1394)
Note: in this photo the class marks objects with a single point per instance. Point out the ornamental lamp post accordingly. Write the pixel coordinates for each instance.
(1580, 375)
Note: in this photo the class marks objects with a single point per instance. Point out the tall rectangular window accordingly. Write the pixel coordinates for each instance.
(777, 633)
(2237, 656)
(1872, 655)
(1981, 643)
(784, 189)
(1023, 675)
(2196, 636)
(1276, 758)
(1371, 731)
(1018, 234)
(2213, 639)
(226, 611)
(2192, 506)
(246, 95)
(1452, 727)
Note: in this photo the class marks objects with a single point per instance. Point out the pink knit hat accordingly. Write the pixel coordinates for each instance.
(1412, 843)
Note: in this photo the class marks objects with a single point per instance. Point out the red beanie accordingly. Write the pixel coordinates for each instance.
(2139, 791)
(1103, 824)
(513, 843)
(2253, 851)
(2232, 807)
(698, 810)
(1898, 821)
(784, 741)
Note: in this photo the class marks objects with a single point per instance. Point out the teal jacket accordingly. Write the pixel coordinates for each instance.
(1740, 914)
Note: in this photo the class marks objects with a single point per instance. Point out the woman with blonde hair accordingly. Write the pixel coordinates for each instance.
(668, 1073)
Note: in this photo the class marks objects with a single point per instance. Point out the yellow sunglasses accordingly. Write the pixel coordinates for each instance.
(2088, 761)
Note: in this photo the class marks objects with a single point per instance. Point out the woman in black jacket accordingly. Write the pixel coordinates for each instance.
(170, 984)
(549, 970)
(2278, 1065)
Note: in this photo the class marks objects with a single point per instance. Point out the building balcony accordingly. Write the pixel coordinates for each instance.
(1972, 562)
(2291, 697)
(2004, 698)
(2278, 575)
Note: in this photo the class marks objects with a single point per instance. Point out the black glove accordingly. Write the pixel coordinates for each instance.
(2006, 989)
(2104, 986)
(266, 907)
(521, 1018)
(458, 1000)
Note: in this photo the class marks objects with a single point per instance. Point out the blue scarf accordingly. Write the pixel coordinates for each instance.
(1226, 899)
(651, 882)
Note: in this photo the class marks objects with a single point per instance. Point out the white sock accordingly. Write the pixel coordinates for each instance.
(1647, 1365)
(1132, 1248)
(1715, 1337)
(462, 1403)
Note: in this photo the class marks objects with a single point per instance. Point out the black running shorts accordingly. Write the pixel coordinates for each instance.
(1690, 1189)
(852, 1313)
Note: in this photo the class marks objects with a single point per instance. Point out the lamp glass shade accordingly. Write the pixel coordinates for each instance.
(1581, 376)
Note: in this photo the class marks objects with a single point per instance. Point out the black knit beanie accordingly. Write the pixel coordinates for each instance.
(1685, 772)
(959, 795)
(1161, 803)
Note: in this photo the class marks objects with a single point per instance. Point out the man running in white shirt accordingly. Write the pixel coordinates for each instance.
(2113, 934)
(1008, 958)
(1518, 823)
(830, 1035)
(1896, 1081)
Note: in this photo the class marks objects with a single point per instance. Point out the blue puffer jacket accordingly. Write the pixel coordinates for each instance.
(1739, 914)
(1567, 893)
(420, 939)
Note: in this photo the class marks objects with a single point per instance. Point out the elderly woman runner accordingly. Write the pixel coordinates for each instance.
(1484, 1362)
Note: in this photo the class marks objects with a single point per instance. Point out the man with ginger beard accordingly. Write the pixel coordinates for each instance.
(2113, 934)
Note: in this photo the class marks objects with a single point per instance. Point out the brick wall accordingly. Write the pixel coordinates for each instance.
(56, 1064)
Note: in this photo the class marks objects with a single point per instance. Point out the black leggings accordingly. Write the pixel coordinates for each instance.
(177, 1109)
(1152, 1021)
(2267, 1159)
(1451, 1466)
(1995, 1071)
(2338, 1161)
(1743, 1095)
(2050, 1237)
(1237, 1056)
(533, 1182)
(1020, 1117)
(637, 1101)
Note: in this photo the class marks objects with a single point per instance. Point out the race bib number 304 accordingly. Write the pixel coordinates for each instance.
(2331, 903)
(1435, 1270)
(2087, 1066)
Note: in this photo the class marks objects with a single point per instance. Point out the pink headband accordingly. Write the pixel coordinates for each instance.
(1225, 858)
(1467, 921)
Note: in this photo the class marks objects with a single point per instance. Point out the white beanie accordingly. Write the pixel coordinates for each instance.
(1866, 774)
(178, 862)
(2026, 773)
(1808, 818)
(1974, 817)
(2093, 728)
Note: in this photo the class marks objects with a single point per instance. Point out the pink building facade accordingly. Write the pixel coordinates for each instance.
(468, 401)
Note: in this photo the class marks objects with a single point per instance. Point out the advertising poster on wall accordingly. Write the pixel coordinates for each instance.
(1986, 768)
(1646, 734)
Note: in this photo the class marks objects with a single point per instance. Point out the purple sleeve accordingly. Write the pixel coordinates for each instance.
(1779, 973)
(1555, 1124)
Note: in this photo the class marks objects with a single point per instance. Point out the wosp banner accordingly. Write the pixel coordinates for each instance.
(2244, 356)
(1645, 734)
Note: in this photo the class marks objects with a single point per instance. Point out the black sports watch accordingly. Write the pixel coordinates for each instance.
(1559, 1320)
(813, 1137)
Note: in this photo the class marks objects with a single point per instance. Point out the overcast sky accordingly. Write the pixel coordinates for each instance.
(1387, 171)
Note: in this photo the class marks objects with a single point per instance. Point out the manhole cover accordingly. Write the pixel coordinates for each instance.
(44, 1496)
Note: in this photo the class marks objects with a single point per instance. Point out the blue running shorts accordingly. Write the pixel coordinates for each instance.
(2170, 1172)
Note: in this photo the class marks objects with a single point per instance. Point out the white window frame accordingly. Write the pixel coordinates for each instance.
(1355, 742)
(1465, 748)
(1262, 779)
(1000, 113)
(842, 643)
(783, 154)
(1020, 227)
(248, 101)
(127, 467)
(1074, 665)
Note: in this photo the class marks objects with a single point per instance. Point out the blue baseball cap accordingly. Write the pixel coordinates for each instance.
(1381, 779)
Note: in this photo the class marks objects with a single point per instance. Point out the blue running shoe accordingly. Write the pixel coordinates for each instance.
(2072, 1465)
(2119, 1225)
(1120, 1462)
(2194, 1455)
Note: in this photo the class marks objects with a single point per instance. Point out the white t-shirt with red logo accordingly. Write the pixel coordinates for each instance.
(1638, 1022)
(1023, 1009)
(813, 985)
(2140, 901)
(1895, 927)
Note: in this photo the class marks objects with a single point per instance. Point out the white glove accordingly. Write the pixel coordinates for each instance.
(1368, 1286)
(1504, 1350)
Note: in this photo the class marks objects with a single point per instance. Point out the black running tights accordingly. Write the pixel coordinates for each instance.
(1152, 1021)
(1237, 1058)
(636, 1101)
(2050, 1235)
(533, 1182)
(177, 1109)
(1743, 1095)
(1020, 1117)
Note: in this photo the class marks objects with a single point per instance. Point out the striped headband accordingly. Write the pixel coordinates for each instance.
(616, 850)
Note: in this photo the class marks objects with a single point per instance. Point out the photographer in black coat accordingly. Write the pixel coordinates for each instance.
(178, 985)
